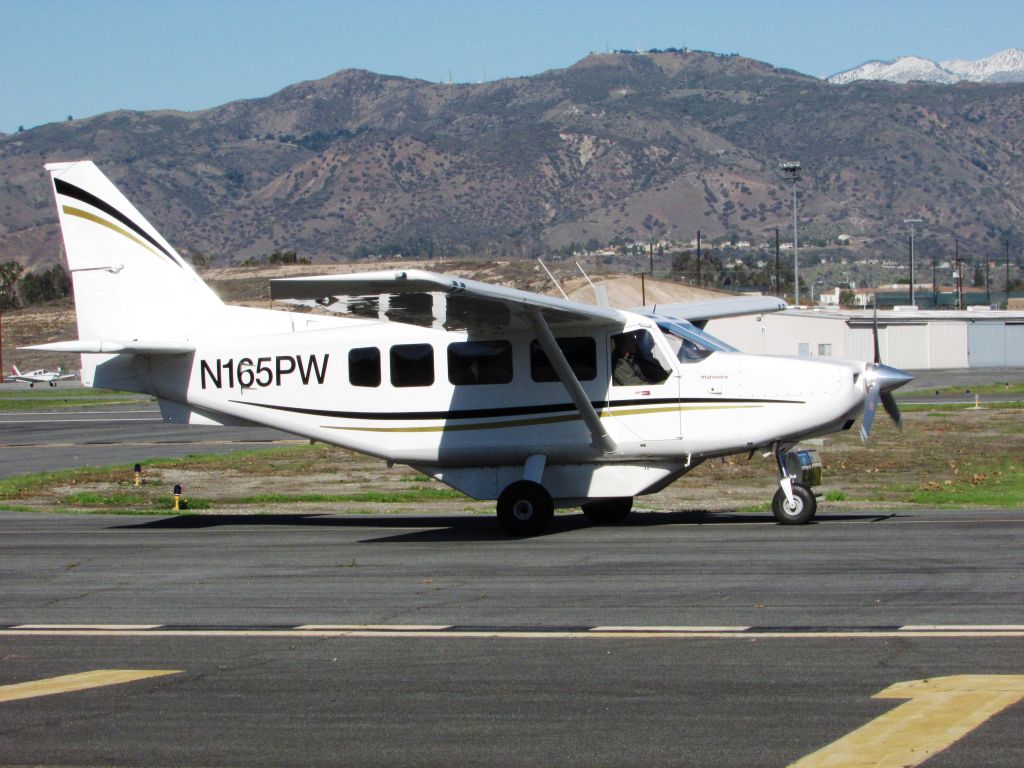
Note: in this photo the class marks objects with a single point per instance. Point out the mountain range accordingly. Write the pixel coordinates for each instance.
(634, 146)
(1004, 67)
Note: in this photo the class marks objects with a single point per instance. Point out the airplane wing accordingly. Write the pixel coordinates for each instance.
(424, 298)
(700, 312)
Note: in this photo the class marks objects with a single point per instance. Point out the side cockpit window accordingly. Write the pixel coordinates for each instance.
(635, 359)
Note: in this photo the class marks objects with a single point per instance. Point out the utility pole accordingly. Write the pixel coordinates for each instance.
(778, 276)
(791, 170)
(1007, 272)
(988, 292)
(960, 275)
(912, 222)
(935, 282)
(699, 283)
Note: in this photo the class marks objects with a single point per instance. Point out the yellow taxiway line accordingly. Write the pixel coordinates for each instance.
(78, 682)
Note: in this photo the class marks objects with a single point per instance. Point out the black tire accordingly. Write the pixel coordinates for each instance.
(525, 508)
(608, 511)
(803, 508)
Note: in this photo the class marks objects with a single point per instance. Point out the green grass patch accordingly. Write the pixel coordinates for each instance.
(946, 407)
(1000, 486)
(94, 499)
(35, 483)
(1003, 388)
(54, 398)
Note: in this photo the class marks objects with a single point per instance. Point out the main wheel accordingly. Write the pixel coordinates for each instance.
(525, 508)
(608, 511)
(800, 511)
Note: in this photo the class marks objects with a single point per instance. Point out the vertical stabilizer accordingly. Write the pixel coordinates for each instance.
(129, 282)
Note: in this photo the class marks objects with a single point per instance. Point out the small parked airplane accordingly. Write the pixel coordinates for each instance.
(537, 402)
(40, 376)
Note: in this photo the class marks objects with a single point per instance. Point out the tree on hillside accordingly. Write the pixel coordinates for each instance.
(10, 271)
(50, 284)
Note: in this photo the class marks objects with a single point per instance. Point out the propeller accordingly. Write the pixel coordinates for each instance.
(881, 380)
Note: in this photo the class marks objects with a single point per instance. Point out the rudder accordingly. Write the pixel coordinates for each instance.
(129, 282)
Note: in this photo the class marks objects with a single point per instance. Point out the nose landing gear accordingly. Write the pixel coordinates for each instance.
(795, 503)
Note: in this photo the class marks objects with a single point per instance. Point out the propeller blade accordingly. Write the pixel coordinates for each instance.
(870, 406)
(889, 403)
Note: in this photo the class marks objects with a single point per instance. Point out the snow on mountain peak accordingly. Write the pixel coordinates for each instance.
(1005, 66)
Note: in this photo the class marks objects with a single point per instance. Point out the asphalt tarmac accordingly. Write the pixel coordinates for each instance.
(677, 639)
(106, 435)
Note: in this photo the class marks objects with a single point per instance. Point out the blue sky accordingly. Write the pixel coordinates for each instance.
(84, 57)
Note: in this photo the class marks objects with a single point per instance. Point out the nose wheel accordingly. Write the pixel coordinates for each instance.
(797, 511)
(793, 503)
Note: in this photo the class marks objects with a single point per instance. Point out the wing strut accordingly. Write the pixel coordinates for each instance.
(599, 437)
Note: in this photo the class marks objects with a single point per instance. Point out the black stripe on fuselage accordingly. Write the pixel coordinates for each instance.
(491, 413)
(77, 193)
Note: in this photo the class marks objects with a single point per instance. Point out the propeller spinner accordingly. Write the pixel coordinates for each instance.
(881, 380)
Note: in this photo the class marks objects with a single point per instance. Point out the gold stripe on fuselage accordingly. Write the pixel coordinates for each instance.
(616, 412)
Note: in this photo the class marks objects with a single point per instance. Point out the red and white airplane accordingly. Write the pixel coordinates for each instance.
(40, 376)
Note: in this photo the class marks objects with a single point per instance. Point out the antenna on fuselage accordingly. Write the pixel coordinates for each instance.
(553, 280)
(600, 294)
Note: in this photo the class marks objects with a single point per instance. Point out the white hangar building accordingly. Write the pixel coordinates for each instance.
(908, 339)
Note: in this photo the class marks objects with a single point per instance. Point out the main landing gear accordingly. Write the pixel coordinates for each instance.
(525, 508)
(795, 503)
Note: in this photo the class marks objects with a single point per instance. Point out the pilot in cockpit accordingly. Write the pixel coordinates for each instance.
(633, 361)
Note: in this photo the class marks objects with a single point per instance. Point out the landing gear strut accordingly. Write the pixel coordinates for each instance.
(794, 503)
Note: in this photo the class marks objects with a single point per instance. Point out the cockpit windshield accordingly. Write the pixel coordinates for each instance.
(689, 342)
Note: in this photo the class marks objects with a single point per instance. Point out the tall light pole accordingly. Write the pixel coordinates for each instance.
(912, 222)
(791, 170)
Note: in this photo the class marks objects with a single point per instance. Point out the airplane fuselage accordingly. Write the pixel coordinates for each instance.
(449, 404)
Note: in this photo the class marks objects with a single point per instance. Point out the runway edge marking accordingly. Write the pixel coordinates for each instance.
(521, 632)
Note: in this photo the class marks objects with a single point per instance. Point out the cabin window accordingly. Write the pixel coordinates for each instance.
(480, 362)
(364, 367)
(412, 365)
(580, 351)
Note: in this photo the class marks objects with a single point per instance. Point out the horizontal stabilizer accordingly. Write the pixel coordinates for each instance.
(117, 347)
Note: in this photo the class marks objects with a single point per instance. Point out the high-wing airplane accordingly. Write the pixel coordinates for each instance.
(533, 401)
(40, 376)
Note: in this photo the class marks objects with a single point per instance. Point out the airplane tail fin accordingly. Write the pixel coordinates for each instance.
(15, 371)
(129, 283)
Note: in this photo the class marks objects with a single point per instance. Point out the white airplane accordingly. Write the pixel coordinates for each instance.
(40, 376)
(534, 401)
